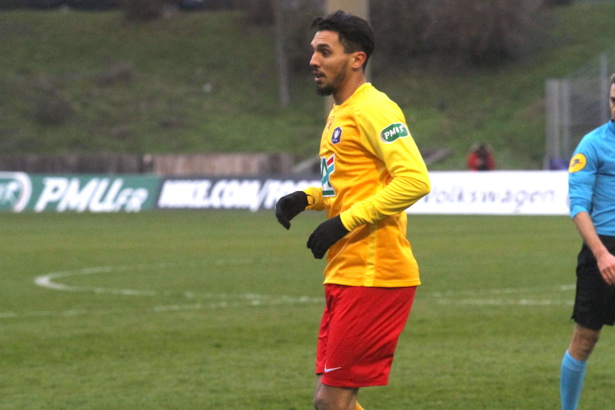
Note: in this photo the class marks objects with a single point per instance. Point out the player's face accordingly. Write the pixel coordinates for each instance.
(330, 64)
(612, 101)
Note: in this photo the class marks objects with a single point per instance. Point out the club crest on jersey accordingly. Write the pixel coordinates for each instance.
(577, 163)
(327, 167)
(393, 132)
(330, 123)
(337, 135)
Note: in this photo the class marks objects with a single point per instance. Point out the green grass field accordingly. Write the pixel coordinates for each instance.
(219, 310)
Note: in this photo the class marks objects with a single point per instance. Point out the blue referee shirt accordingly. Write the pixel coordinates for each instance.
(591, 178)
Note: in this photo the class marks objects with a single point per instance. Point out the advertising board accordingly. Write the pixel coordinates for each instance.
(78, 193)
(496, 193)
(476, 193)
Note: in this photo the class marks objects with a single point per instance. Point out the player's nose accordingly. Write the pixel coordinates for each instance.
(314, 61)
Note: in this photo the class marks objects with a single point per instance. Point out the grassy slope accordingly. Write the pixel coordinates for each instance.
(504, 108)
(141, 88)
(160, 103)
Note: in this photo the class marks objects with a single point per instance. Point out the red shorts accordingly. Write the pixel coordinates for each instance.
(359, 332)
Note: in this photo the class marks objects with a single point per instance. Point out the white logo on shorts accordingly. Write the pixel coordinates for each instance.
(330, 370)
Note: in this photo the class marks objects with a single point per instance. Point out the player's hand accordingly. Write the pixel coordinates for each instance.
(325, 235)
(606, 265)
(290, 206)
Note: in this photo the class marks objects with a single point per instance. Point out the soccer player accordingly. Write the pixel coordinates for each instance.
(371, 172)
(591, 187)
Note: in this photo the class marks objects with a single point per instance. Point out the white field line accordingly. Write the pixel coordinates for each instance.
(505, 302)
(503, 296)
(481, 297)
(47, 281)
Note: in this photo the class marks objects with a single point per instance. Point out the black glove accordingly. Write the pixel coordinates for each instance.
(290, 206)
(325, 235)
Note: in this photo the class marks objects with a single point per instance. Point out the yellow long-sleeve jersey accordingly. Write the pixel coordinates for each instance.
(372, 171)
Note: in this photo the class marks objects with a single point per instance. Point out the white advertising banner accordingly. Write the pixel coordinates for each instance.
(496, 193)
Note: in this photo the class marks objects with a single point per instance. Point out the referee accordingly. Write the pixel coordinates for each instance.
(591, 187)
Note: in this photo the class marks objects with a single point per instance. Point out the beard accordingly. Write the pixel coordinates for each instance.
(325, 91)
(334, 85)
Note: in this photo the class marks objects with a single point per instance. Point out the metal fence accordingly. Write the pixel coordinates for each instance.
(576, 105)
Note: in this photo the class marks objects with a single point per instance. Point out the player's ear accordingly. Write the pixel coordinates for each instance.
(358, 59)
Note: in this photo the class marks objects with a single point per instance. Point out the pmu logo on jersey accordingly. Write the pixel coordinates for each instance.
(337, 135)
(393, 132)
(577, 163)
(327, 167)
(15, 191)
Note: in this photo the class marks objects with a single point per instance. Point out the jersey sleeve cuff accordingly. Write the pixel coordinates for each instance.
(575, 209)
(314, 197)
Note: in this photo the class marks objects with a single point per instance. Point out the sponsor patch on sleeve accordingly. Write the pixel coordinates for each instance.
(393, 132)
(577, 163)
